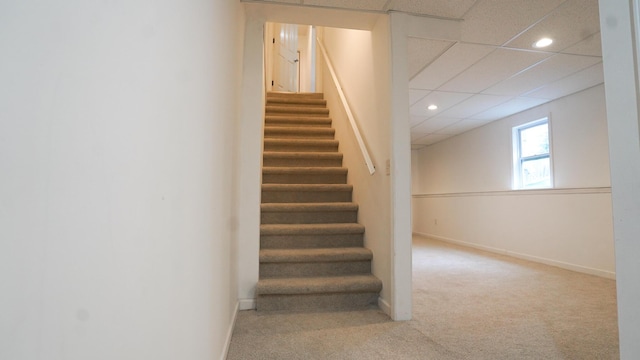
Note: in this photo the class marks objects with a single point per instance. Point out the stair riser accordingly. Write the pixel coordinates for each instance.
(336, 302)
(283, 270)
(304, 179)
(301, 135)
(299, 111)
(312, 217)
(293, 120)
(299, 123)
(300, 148)
(296, 108)
(314, 104)
(305, 196)
(276, 95)
(310, 241)
(301, 162)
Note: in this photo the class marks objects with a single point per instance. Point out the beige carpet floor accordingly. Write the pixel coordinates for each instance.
(468, 304)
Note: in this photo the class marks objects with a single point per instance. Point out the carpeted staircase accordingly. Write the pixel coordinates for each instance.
(311, 246)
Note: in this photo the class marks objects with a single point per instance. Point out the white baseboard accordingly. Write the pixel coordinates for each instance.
(560, 264)
(247, 304)
(230, 332)
(384, 306)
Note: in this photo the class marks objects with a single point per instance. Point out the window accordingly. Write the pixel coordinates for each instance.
(532, 156)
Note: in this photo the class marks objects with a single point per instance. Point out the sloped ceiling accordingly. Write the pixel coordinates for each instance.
(493, 71)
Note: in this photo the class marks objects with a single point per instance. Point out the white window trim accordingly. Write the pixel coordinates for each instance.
(515, 146)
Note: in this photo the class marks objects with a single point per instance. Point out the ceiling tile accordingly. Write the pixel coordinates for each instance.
(584, 79)
(495, 67)
(444, 100)
(474, 105)
(462, 126)
(415, 120)
(572, 22)
(496, 21)
(434, 124)
(430, 139)
(440, 8)
(589, 46)
(454, 61)
(421, 52)
(416, 94)
(509, 108)
(550, 70)
(375, 5)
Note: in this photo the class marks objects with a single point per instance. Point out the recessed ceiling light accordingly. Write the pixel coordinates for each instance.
(432, 107)
(544, 42)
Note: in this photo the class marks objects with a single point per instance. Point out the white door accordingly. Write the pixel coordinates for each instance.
(285, 64)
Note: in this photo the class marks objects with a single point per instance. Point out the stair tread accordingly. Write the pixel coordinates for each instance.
(313, 95)
(311, 229)
(327, 142)
(282, 100)
(303, 170)
(302, 155)
(296, 109)
(300, 129)
(307, 187)
(317, 285)
(301, 117)
(315, 255)
(309, 207)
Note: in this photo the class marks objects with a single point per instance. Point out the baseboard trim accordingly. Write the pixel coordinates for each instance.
(384, 306)
(560, 264)
(247, 304)
(230, 332)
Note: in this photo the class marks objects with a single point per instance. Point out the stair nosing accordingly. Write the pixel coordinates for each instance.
(319, 285)
(315, 255)
(311, 229)
(309, 207)
(308, 187)
(304, 170)
(302, 154)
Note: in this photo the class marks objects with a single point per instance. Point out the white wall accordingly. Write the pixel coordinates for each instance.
(250, 158)
(463, 189)
(361, 62)
(618, 23)
(305, 46)
(115, 123)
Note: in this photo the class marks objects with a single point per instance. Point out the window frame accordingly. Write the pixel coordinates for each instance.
(518, 160)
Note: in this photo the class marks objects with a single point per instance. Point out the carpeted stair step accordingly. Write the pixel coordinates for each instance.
(298, 110)
(309, 213)
(289, 95)
(298, 132)
(297, 120)
(306, 193)
(321, 293)
(279, 263)
(304, 175)
(298, 145)
(301, 159)
(300, 101)
(311, 246)
(305, 236)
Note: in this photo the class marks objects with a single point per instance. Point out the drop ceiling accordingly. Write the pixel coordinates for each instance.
(493, 71)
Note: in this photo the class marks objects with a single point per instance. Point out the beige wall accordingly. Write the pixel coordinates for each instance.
(116, 155)
(360, 59)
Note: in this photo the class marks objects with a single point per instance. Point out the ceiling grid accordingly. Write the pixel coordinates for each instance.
(493, 71)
